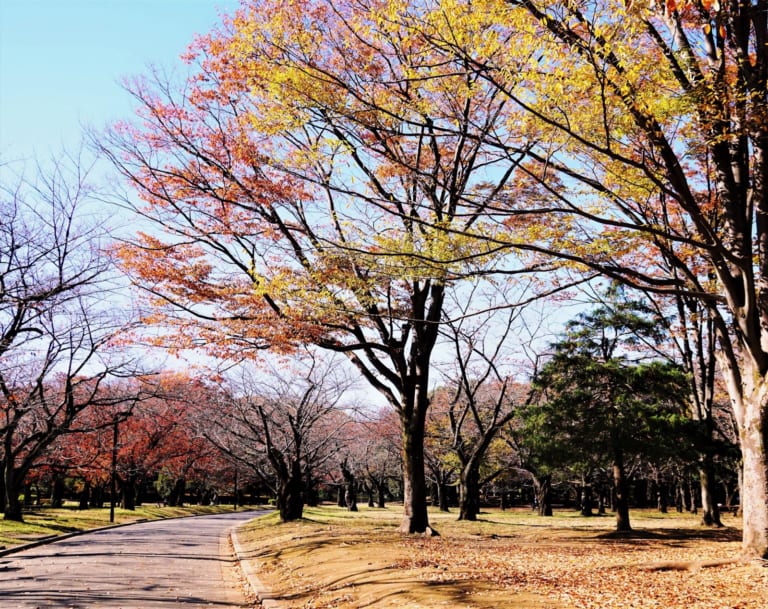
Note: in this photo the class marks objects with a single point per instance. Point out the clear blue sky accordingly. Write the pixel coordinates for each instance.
(61, 62)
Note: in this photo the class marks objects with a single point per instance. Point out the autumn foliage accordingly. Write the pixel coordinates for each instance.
(330, 173)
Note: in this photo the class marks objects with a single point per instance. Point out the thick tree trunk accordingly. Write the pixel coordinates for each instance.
(710, 512)
(290, 503)
(85, 496)
(748, 390)
(469, 493)
(97, 496)
(754, 493)
(3, 498)
(128, 494)
(12, 487)
(662, 499)
(176, 497)
(350, 488)
(620, 489)
(57, 491)
(586, 500)
(415, 517)
(381, 492)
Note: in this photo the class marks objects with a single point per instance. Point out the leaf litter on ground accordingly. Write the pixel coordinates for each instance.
(337, 559)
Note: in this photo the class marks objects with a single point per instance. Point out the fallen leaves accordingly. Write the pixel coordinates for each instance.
(508, 559)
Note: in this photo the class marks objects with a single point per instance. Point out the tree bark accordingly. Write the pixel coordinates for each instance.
(13, 509)
(350, 490)
(748, 390)
(381, 491)
(128, 493)
(586, 499)
(415, 517)
(620, 489)
(542, 488)
(176, 498)
(754, 498)
(469, 493)
(710, 511)
(85, 496)
(57, 491)
(290, 503)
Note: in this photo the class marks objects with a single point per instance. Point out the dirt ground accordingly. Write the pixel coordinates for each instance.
(513, 559)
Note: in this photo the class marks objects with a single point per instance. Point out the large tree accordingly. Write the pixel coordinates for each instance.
(312, 182)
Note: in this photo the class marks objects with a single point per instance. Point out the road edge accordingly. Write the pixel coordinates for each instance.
(259, 590)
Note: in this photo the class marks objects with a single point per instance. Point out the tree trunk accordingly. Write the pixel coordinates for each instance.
(3, 498)
(12, 486)
(128, 493)
(469, 493)
(710, 512)
(620, 489)
(542, 488)
(350, 488)
(290, 502)
(57, 491)
(85, 496)
(97, 497)
(381, 491)
(748, 390)
(340, 501)
(753, 434)
(415, 517)
(586, 499)
(662, 500)
(176, 497)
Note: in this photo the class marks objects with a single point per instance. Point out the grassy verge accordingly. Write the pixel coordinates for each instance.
(46, 522)
(334, 558)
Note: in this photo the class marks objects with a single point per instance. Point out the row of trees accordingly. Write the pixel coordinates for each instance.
(284, 432)
(291, 432)
(368, 178)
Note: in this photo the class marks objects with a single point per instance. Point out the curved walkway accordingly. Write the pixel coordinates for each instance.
(185, 562)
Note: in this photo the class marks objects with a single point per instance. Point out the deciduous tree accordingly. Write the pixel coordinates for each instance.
(315, 181)
(56, 334)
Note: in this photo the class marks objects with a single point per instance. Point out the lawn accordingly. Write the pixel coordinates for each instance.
(45, 522)
(514, 559)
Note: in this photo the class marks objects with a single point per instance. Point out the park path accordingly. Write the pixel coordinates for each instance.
(185, 563)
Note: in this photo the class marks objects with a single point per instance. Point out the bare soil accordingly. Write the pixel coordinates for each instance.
(513, 559)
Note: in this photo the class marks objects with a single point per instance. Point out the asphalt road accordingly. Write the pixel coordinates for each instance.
(185, 563)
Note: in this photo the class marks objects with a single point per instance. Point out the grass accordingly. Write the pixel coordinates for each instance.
(45, 522)
(338, 559)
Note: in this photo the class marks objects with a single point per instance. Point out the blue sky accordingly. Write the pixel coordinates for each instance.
(61, 62)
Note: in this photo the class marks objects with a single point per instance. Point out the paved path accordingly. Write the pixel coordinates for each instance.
(185, 563)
